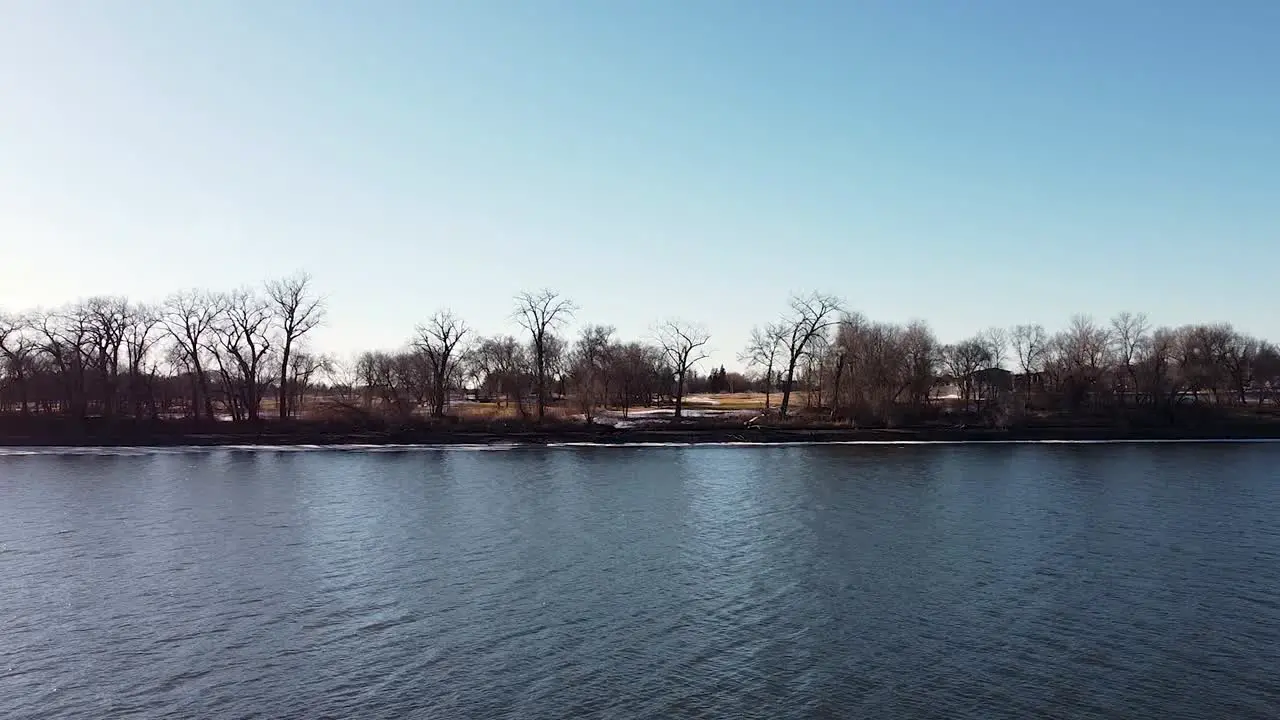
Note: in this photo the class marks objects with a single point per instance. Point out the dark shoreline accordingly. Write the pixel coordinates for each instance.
(180, 434)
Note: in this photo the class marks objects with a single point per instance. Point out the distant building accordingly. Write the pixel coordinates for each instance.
(997, 379)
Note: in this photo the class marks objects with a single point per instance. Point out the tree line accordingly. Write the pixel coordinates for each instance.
(884, 373)
(242, 354)
(198, 354)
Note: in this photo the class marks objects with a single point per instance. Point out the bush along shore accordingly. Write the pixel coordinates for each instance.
(48, 432)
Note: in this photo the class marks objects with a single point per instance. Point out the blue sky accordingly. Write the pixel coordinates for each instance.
(969, 163)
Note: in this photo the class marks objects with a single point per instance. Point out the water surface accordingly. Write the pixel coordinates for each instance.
(951, 581)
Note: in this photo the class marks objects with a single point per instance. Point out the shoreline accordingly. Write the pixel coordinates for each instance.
(137, 437)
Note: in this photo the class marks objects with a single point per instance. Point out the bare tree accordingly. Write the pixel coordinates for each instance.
(684, 346)
(541, 313)
(412, 380)
(763, 350)
(107, 319)
(1156, 375)
(1267, 373)
(501, 366)
(1080, 358)
(921, 354)
(439, 339)
(638, 369)
(189, 318)
(963, 360)
(589, 365)
(64, 341)
(303, 366)
(1238, 357)
(1029, 344)
(367, 371)
(140, 336)
(395, 384)
(297, 311)
(343, 378)
(811, 316)
(883, 361)
(1128, 334)
(995, 340)
(18, 348)
(240, 340)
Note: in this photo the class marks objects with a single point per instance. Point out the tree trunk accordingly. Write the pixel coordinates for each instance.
(835, 391)
(437, 402)
(542, 383)
(204, 390)
(768, 387)
(22, 392)
(195, 398)
(252, 405)
(284, 378)
(786, 389)
(679, 394)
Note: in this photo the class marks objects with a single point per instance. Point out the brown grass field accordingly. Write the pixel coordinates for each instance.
(566, 408)
(317, 407)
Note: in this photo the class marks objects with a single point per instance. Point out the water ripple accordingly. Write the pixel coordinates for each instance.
(950, 581)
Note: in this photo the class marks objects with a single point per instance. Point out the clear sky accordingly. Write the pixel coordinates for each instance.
(969, 163)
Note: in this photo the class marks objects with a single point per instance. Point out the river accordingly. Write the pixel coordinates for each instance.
(948, 581)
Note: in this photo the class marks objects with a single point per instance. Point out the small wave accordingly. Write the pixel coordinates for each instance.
(826, 443)
(94, 451)
(562, 445)
(98, 451)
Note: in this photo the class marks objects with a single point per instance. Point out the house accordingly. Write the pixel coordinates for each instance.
(997, 379)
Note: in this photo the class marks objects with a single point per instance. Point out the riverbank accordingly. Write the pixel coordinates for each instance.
(181, 433)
